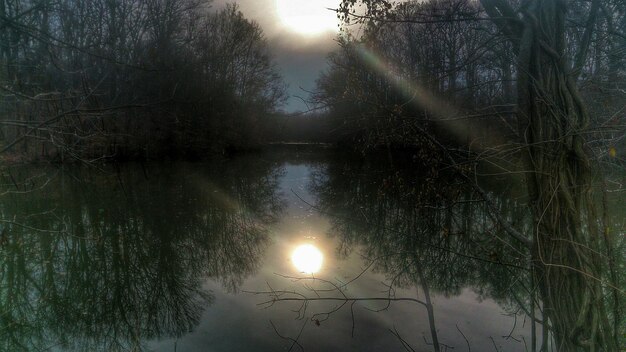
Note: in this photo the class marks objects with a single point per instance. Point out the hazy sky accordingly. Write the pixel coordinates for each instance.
(301, 33)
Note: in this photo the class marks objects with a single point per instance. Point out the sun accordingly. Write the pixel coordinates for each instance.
(307, 259)
(309, 17)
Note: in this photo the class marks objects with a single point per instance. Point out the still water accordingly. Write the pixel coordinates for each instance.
(269, 252)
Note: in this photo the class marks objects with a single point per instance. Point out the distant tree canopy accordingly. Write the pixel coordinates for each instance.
(131, 78)
(444, 66)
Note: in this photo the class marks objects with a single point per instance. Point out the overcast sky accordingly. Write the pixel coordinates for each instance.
(299, 55)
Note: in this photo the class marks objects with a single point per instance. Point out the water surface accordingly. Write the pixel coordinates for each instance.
(198, 257)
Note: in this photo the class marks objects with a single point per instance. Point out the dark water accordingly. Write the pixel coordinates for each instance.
(182, 257)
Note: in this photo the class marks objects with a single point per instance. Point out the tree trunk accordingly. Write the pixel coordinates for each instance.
(552, 120)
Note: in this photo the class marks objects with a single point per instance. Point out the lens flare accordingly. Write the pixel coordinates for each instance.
(307, 259)
(438, 109)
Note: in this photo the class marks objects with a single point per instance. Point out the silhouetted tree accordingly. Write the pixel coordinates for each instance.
(132, 79)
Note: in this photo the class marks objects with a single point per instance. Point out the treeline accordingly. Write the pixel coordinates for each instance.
(121, 264)
(84, 79)
(441, 68)
(146, 79)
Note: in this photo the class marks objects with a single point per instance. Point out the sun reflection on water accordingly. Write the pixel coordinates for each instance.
(307, 259)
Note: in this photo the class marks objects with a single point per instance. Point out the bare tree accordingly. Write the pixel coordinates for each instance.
(570, 245)
(131, 79)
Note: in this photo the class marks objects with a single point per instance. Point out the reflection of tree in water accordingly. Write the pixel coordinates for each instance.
(425, 229)
(404, 217)
(108, 261)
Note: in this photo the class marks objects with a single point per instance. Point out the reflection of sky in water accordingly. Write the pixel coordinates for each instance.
(237, 323)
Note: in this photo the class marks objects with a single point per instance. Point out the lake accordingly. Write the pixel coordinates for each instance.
(181, 256)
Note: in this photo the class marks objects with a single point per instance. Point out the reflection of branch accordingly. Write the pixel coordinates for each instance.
(343, 299)
(402, 341)
(499, 218)
(493, 211)
(331, 299)
(494, 344)
(510, 334)
(436, 346)
(469, 349)
(318, 209)
(294, 341)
